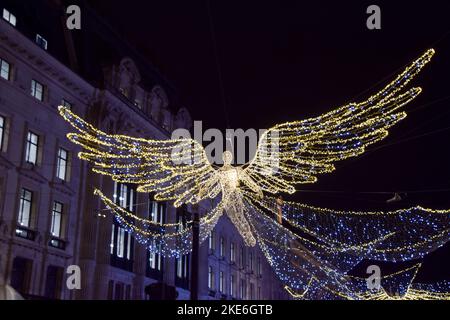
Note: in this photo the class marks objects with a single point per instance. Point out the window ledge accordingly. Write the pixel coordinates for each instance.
(25, 233)
(57, 243)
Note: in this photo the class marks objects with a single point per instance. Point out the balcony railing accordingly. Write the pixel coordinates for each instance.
(25, 233)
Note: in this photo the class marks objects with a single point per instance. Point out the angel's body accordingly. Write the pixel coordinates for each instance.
(230, 179)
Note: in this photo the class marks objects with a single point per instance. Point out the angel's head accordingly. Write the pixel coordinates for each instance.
(227, 158)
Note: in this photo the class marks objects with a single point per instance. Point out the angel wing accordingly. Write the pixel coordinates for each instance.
(400, 235)
(301, 264)
(173, 169)
(296, 152)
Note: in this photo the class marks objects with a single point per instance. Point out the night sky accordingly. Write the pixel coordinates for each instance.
(289, 60)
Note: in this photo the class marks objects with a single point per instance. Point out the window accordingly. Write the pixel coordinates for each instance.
(182, 272)
(25, 206)
(61, 165)
(232, 280)
(154, 260)
(8, 16)
(222, 246)
(41, 42)
(182, 263)
(120, 246)
(259, 270)
(37, 90)
(181, 266)
(221, 282)
(24, 219)
(5, 68)
(250, 260)
(57, 212)
(122, 243)
(211, 278)
(2, 131)
(31, 152)
(66, 104)
(243, 288)
(212, 241)
(242, 257)
(232, 252)
(156, 213)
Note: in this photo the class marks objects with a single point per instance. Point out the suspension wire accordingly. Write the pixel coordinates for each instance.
(219, 69)
(440, 39)
(351, 161)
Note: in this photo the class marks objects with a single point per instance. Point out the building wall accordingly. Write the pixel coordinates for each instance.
(87, 232)
(253, 280)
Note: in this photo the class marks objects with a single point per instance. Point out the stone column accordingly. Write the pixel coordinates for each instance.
(103, 255)
(89, 234)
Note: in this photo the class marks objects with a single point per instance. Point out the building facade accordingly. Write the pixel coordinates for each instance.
(49, 217)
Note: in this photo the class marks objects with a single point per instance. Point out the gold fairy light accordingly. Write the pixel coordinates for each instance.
(288, 154)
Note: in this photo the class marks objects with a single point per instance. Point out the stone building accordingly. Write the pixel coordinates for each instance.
(49, 217)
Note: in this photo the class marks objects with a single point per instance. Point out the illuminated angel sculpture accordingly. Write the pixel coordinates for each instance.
(179, 171)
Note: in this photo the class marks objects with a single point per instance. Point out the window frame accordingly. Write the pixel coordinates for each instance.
(8, 64)
(157, 212)
(41, 41)
(34, 92)
(122, 243)
(2, 131)
(212, 241)
(222, 247)
(29, 144)
(243, 289)
(232, 252)
(59, 159)
(22, 199)
(211, 282)
(259, 267)
(232, 285)
(8, 18)
(221, 282)
(60, 212)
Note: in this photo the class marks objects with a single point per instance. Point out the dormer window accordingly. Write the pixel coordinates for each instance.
(41, 41)
(8, 16)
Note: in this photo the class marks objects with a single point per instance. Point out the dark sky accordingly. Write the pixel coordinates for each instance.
(288, 60)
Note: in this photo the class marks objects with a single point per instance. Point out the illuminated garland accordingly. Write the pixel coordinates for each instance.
(288, 153)
(170, 239)
(398, 235)
(308, 275)
(310, 147)
(329, 243)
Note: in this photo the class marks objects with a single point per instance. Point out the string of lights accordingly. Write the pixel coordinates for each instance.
(170, 239)
(311, 262)
(399, 235)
